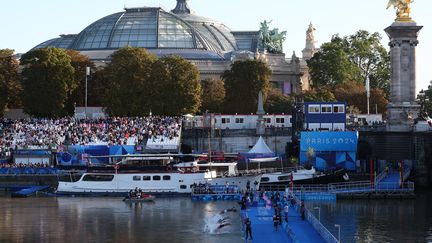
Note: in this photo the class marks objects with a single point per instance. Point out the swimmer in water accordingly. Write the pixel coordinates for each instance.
(233, 209)
(222, 225)
(221, 221)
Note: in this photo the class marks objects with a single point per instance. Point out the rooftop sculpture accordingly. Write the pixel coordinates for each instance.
(403, 9)
(271, 40)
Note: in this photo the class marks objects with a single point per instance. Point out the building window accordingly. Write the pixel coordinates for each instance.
(166, 178)
(280, 120)
(146, 178)
(326, 109)
(314, 109)
(137, 178)
(156, 178)
(239, 120)
(225, 120)
(338, 109)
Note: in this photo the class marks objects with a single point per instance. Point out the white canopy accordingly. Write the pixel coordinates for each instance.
(259, 160)
(260, 148)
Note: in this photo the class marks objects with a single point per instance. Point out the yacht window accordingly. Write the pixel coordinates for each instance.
(225, 120)
(263, 179)
(98, 178)
(166, 178)
(146, 178)
(239, 120)
(183, 187)
(156, 178)
(284, 178)
(137, 178)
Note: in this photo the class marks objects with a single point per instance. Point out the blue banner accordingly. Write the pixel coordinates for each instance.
(78, 154)
(329, 150)
(329, 141)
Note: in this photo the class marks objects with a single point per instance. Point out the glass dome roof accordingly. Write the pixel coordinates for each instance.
(151, 28)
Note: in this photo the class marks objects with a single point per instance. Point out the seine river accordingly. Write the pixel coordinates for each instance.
(68, 219)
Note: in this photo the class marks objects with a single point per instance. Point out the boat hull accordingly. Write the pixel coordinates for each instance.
(154, 183)
(324, 178)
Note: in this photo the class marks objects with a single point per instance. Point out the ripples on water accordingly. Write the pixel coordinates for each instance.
(395, 220)
(181, 220)
(112, 220)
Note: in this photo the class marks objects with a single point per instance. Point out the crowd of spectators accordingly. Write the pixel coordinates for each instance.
(21, 165)
(70, 131)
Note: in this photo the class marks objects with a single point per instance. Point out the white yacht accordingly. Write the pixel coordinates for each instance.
(301, 175)
(154, 175)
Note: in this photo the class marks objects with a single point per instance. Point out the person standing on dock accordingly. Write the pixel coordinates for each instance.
(248, 225)
(276, 222)
(302, 210)
(286, 209)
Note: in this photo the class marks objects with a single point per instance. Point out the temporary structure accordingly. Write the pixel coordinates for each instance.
(261, 153)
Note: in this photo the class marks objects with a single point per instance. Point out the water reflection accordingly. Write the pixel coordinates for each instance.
(398, 220)
(111, 220)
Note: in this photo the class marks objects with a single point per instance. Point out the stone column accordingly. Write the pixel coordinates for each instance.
(403, 108)
(260, 128)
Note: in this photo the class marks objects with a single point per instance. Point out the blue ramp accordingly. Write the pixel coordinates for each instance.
(28, 191)
(393, 177)
(262, 226)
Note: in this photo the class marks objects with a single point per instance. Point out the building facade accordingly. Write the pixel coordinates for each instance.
(207, 43)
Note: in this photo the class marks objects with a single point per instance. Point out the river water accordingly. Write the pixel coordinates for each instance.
(390, 220)
(69, 219)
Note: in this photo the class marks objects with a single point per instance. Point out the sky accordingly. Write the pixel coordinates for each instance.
(26, 23)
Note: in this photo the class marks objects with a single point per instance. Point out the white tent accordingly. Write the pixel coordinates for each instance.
(260, 148)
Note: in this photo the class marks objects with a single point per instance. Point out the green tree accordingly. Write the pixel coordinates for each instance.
(77, 97)
(330, 66)
(127, 77)
(213, 95)
(97, 86)
(277, 103)
(48, 79)
(10, 86)
(352, 58)
(139, 83)
(177, 86)
(427, 99)
(354, 94)
(242, 84)
(318, 95)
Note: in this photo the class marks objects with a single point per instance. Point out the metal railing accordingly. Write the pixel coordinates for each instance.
(316, 224)
(346, 187)
(381, 177)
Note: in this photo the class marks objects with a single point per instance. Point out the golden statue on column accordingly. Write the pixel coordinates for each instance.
(403, 9)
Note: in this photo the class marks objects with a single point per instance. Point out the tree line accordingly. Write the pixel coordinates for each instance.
(51, 81)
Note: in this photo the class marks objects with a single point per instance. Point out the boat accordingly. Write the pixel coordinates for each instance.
(154, 174)
(143, 198)
(301, 175)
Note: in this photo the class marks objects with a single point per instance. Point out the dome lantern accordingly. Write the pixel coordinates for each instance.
(181, 8)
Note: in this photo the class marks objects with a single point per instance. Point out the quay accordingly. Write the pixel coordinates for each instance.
(296, 230)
